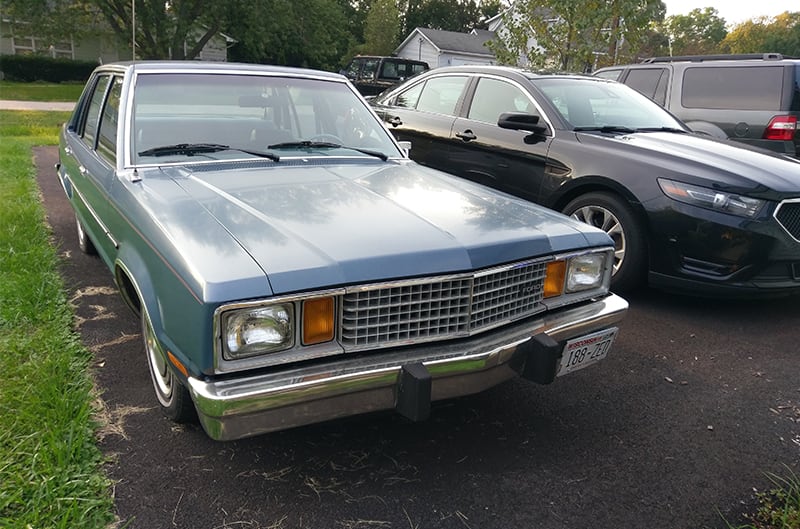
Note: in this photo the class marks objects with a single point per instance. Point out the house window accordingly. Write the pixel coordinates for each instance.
(32, 45)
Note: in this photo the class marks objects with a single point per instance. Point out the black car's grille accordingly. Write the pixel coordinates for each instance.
(788, 215)
(438, 308)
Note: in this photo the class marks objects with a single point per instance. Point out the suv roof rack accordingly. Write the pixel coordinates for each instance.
(730, 57)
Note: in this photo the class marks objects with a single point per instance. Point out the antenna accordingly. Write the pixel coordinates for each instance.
(133, 29)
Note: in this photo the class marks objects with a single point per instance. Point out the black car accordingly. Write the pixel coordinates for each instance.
(752, 98)
(687, 211)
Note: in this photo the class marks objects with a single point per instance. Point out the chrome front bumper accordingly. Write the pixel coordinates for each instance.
(241, 407)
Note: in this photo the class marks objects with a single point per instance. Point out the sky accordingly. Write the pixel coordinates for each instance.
(734, 11)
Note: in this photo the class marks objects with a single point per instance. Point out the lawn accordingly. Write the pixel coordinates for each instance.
(68, 92)
(51, 473)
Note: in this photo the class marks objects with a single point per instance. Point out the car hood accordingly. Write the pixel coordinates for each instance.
(312, 226)
(706, 161)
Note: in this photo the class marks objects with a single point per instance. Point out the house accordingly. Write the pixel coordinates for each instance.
(101, 46)
(447, 48)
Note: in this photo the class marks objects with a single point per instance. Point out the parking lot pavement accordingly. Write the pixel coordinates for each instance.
(6, 104)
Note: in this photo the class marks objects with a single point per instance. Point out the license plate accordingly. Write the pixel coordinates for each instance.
(586, 350)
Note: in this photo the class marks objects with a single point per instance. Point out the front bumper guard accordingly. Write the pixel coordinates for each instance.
(407, 379)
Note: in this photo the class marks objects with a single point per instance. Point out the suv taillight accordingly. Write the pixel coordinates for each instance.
(781, 128)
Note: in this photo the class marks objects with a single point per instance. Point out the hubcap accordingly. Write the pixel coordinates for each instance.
(602, 218)
(159, 372)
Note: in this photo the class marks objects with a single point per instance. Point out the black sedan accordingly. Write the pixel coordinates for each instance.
(687, 212)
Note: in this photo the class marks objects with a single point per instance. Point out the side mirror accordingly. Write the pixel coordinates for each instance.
(405, 146)
(521, 121)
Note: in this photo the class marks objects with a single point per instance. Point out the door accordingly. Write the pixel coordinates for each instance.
(423, 114)
(511, 160)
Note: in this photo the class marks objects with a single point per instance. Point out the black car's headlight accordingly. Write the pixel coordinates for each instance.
(711, 198)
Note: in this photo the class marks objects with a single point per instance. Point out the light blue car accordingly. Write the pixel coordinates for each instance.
(291, 265)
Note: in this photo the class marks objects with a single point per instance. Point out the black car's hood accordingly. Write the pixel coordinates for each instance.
(699, 159)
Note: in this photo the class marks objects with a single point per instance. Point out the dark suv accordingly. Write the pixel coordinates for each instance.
(752, 98)
(372, 75)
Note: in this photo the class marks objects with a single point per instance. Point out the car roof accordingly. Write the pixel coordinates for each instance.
(508, 71)
(215, 67)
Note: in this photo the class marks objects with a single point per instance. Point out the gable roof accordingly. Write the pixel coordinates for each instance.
(473, 43)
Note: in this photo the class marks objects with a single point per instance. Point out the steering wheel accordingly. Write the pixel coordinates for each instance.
(327, 138)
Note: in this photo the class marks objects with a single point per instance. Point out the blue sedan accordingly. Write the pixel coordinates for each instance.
(290, 264)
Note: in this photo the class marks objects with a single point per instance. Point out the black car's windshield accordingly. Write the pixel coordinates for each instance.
(598, 105)
(179, 118)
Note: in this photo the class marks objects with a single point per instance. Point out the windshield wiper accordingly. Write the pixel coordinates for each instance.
(606, 128)
(191, 149)
(325, 145)
(661, 129)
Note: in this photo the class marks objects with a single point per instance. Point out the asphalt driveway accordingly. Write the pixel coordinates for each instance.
(697, 400)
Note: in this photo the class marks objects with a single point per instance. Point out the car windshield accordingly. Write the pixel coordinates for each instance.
(176, 117)
(589, 105)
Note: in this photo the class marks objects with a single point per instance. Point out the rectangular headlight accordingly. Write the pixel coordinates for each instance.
(585, 272)
(257, 330)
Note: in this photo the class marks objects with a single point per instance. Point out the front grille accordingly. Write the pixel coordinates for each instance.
(788, 215)
(439, 308)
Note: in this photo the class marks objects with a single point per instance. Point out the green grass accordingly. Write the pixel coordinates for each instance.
(778, 508)
(51, 472)
(68, 92)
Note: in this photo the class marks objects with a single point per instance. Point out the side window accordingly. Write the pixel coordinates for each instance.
(409, 98)
(733, 88)
(369, 69)
(609, 74)
(441, 94)
(389, 70)
(107, 141)
(645, 80)
(352, 69)
(493, 97)
(93, 112)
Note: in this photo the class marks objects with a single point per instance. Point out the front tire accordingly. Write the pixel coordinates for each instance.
(172, 395)
(612, 215)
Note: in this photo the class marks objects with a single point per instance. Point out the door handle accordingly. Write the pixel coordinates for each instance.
(82, 170)
(467, 135)
(68, 150)
(395, 121)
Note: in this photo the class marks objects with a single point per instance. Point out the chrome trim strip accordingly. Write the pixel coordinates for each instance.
(94, 215)
(234, 408)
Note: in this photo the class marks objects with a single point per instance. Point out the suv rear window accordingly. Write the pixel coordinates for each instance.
(733, 88)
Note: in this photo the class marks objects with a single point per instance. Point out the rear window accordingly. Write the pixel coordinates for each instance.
(733, 88)
(795, 106)
(651, 82)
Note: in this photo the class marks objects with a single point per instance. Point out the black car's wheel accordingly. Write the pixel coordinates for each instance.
(171, 394)
(84, 242)
(609, 213)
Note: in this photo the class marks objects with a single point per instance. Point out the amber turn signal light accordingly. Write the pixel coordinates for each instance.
(554, 278)
(317, 321)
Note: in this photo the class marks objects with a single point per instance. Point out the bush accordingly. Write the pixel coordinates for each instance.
(29, 68)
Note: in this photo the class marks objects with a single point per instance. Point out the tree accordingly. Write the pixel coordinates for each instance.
(449, 15)
(307, 33)
(697, 33)
(382, 28)
(784, 34)
(571, 34)
(174, 29)
(51, 20)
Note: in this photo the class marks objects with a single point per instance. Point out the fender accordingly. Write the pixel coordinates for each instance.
(704, 127)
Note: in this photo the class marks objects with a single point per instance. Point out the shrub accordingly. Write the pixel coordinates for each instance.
(29, 68)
